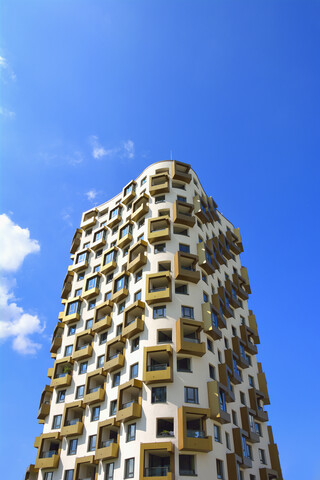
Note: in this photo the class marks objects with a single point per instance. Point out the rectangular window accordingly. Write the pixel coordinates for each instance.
(73, 443)
(95, 414)
(234, 418)
(205, 297)
(131, 432)
(116, 380)
(209, 345)
(135, 344)
(159, 395)
(100, 361)
(220, 474)
(181, 289)
(48, 476)
(242, 398)
(80, 391)
(83, 367)
(109, 278)
(56, 422)
(251, 381)
(103, 338)
(143, 181)
(262, 456)
(78, 292)
(68, 475)
(228, 441)
(129, 468)
(187, 465)
(121, 307)
(159, 312)
(89, 323)
(164, 336)
(73, 307)
(119, 330)
(137, 296)
(134, 370)
(160, 248)
(72, 330)
(98, 253)
(138, 276)
(187, 312)
(109, 472)
(184, 365)
(191, 395)
(92, 443)
(181, 199)
(217, 433)
(212, 373)
(91, 304)
(160, 199)
(184, 248)
(61, 396)
(80, 277)
(113, 408)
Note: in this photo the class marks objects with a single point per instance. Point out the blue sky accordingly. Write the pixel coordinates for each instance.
(230, 87)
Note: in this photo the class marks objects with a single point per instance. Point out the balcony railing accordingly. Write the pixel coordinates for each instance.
(72, 422)
(82, 347)
(49, 454)
(106, 443)
(192, 340)
(60, 375)
(159, 366)
(157, 289)
(111, 357)
(156, 471)
(127, 404)
(187, 472)
(94, 389)
(196, 433)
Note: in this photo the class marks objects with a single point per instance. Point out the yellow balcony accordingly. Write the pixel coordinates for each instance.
(99, 239)
(89, 219)
(212, 209)
(216, 246)
(49, 447)
(114, 216)
(225, 375)
(232, 290)
(206, 258)
(62, 372)
(257, 404)
(120, 287)
(185, 267)
(129, 192)
(137, 256)
(268, 474)
(263, 384)
(72, 312)
(73, 418)
(232, 362)
(274, 456)
(129, 401)
(67, 284)
(125, 235)
(102, 316)
(158, 229)
(76, 241)
(161, 451)
(158, 184)
(85, 468)
(239, 439)
(115, 353)
(81, 261)
(92, 283)
(31, 473)
(225, 247)
(188, 337)
(234, 240)
(109, 261)
(83, 345)
(233, 462)
(140, 207)
(180, 171)
(248, 424)
(200, 209)
(217, 402)
(254, 328)
(45, 403)
(158, 287)
(212, 321)
(94, 390)
(183, 213)
(192, 429)
(157, 364)
(247, 336)
(133, 319)
(107, 440)
(57, 338)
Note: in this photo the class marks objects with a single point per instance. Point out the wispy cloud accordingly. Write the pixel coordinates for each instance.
(91, 194)
(15, 323)
(73, 158)
(6, 70)
(66, 216)
(7, 113)
(126, 150)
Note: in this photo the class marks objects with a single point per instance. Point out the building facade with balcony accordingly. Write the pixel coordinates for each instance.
(155, 372)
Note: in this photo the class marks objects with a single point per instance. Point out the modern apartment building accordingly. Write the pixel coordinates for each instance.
(154, 373)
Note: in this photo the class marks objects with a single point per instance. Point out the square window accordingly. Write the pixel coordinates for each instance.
(83, 367)
(160, 248)
(80, 391)
(91, 304)
(88, 232)
(131, 432)
(61, 396)
(56, 422)
(134, 370)
(92, 443)
(138, 276)
(186, 465)
(73, 443)
(78, 292)
(159, 312)
(68, 350)
(95, 414)
(135, 344)
(184, 365)
(181, 289)
(184, 248)
(191, 395)
(187, 312)
(160, 199)
(96, 268)
(164, 336)
(103, 338)
(137, 296)
(71, 330)
(159, 395)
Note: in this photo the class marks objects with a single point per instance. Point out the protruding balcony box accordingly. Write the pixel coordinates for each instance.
(31, 473)
(140, 207)
(263, 384)
(86, 468)
(94, 390)
(72, 310)
(241, 447)
(200, 209)
(129, 192)
(241, 285)
(232, 290)
(120, 287)
(159, 229)
(257, 404)
(45, 403)
(108, 438)
(192, 429)
(62, 372)
(102, 316)
(49, 447)
(99, 238)
(238, 346)
(57, 337)
(248, 424)
(232, 362)
(206, 258)
(225, 304)
(76, 241)
(212, 208)
(159, 183)
(274, 456)
(185, 267)
(218, 250)
(133, 319)
(109, 260)
(137, 256)
(67, 284)
(115, 216)
(158, 287)
(236, 231)
(73, 418)
(268, 474)
(157, 364)
(92, 284)
(82, 348)
(156, 461)
(129, 401)
(217, 402)
(212, 321)
(89, 219)
(183, 213)
(220, 310)
(247, 337)
(254, 327)
(225, 374)
(233, 239)
(233, 462)
(125, 234)
(180, 171)
(188, 337)
(115, 353)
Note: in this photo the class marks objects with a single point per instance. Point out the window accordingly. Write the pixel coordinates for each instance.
(73, 443)
(186, 465)
(80, 391)
(107, 296)
(228, 441)
(129, 468)
(68, 475)
(181, 289)
(204, 278)
(135, 344)
(73, 307)
(48, 476)
(234, 332)
(109, 472)
(159, 312)
(219, 356)
(210, 345)
(121, 283)
(212, 373)
(187, 312)
(143, 181)
(92, 443)
(226, 343)
(121, 307)
(83, 367)
(100, 361)
(140, 237)
(80, 276)
(109, 277)
(137, 296)
(141, 223)
(72, 330)
(258, 429)
(138, 276)
(262, 456)
(217, 433)
(114, 230)
(159, 395)
(95, 414)
(113, 408)
(234, 418)
(181, 199)
(89, 324)
(220, 469)
(164, 336)
(103, 338)
(78, 292)
(131, 432)
(242, 398)
(222, 400)
(251, 380)
(160, 199)
(56, 422)
(181, 231)
(134, 370)
(205, 297)
(184, 365)
(98, 253)
(96, 268)
(184, 248)
(191, 395)
(116, 379)
(81, 257)
(119, 329)
(160, 248)
(61, 396)
(92, 304)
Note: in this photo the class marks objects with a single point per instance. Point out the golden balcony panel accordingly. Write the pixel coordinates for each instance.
(192, 429)
(102, 316)
(156, 461)
(31, 473)
(247, 336)
(129, 192)
(76, 241)
(206, 259)
(86, 468)
(225, 375)
(188, 337)
(129, 403)
(72, 419)
(212, 208)
(62, 372)
(200, 208)
(81, 261)
(253, 326)
(257, 404)
(238, 346)
(233, 462)
(239, 283)
(217, 248)
(234, 242)
(115, 354)
(89, 219)
(225, 247)
(231, 288)
(212, 321)
(45, 403)
(248, 424)
(82, 348)
(218, 402)
(57, 337)
(220, 308)
(274, 455)
(115, 216)
(232, 361)
(133, 319)
(245, 276)
(158, 287)
(263, 384)
(109, 260)
(157, 364)
(159, 183)
(137, 256)
(67, 284)
(120, 287)
(108, 438)
(225, 302)
(158, 229)
(140, 207)
(125, 234)
(268, 474)
(72, 310)
(180, 171)
(92, 286)
(48, 451)
(99, 239)
(183, 213)
(241, 447)
(94, 390)
(185, 267)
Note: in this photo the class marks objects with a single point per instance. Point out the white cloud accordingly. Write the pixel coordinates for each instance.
(66, 216)
(7, 113)
(128, 147)
(6, 69)
(91, 194)
(124, 151)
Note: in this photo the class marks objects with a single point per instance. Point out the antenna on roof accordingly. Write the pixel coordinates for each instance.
(170, 154)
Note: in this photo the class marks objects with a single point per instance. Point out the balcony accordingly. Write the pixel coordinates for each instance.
(129, 192)
(158, 184)
(188, 337)
(125, 234)
(67, 284)
(76, 241)
(233, 462)
(86, 468)
(115, 352)
(156, 461)
(257, 404)
(183, 213)
(120, 287)
(225, 374)
(206, 258)
(81, 262)
(72, 310)
(232, 362)
(45, 403)
(73, 418)
(200, 209)
(192, 429)
(31, 473)
(241, 284)
(268, 474)
(248, 424)
(99, 239)
(263, 384)
(57, 337)
(49, 447)
(247, 337)
(89, 219)
(102, 316)
(212, 209)
(224, 302)
(140, 207)
(115, 216)
(157, 364)
(254, 328)
(83, 345)
(274, 457)
(92, 284)
(158, 229)
(129, 401)
(218, 250)
(217, 402)
(133, 319)
(180, 171)
(238, 346)
(185, 267)
(158, 288)
(137, 257)
(212, 321)
(107, 440)
(62, 372)
(234, 240)
(232, 291)
(109, 261)
(94, 391)
(241, 448)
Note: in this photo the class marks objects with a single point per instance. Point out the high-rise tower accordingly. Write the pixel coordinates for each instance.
(155, 374)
